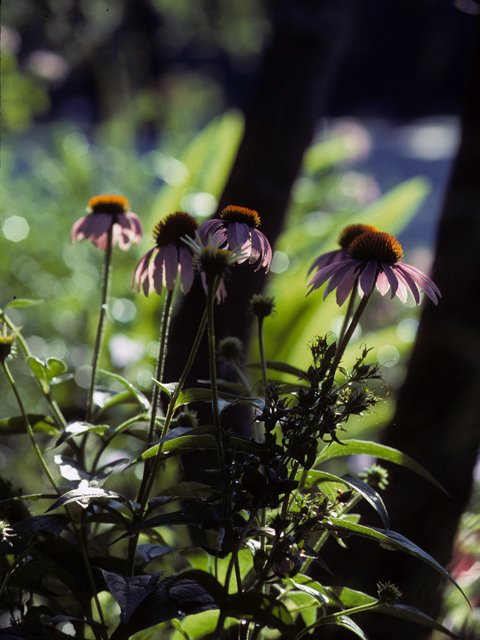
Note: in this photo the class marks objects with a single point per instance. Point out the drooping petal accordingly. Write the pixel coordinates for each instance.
(77, 230)
(345, 287)
(383, 285)
(336, 279)
(211, 228)
(325, 259)
(186, 269)
(409, 281)
(155, 272)
(396, 283)
(422, 280)
(327, 272)
(141, 271)
(170, 261)
(368, 277)
(135, 226)
(262, 249)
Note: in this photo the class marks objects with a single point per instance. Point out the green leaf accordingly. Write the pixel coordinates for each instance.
(283, 367)
(20, 303)
(262, 608)
(84, 496)
(136, 393)
(390, 540)
(315, 476)
(39, 423)
(350, 597)
(166, 388)
(414, 615)
(78, 428)
(355, 447)
(191, 443)
(337, 620)
(198, 394)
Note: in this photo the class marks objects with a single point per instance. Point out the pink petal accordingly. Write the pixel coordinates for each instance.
(77, 230)
(410, 282)
(327, 272)
(422, 280)
(396, 282)
(368, 277)
(325, 259)
(155, 272)
(345, 287)
(170, 261)
(186, 269)
(336, 279)
(383, 284)
(211, 228)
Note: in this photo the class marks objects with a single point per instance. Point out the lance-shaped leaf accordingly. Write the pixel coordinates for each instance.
(390, 540)
(192, 443)
(355, 447)
(39, 423)
(198, 394)
(136, 393)
(412, 614)
(339, 621)
(282, 367)
(79, 428)
(85, 495)
(21, 303)
(372, 496)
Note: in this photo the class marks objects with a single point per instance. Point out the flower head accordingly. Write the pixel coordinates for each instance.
(372, 259)
(230, 350)
(237, 228)
(7, 343)
(169, 257)
(107, 212)
(214, 262)
(347, 235)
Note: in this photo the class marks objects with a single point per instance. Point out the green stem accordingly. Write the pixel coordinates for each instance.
(342, 345)
(28, 426)
(118, 430)
(143, 499)
(348, 314)
(219, 435)
(57, 413)
(162, 353)
(262, 353)
(333, 616)
(101, 323)
(45, 468)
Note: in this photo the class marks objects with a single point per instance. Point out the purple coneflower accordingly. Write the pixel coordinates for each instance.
(345, 238)
(373, 259)
(160, 266)
(237, 228)
(107, 212)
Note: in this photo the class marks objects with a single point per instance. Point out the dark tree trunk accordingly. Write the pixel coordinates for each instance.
(291, 89)
(437, 420)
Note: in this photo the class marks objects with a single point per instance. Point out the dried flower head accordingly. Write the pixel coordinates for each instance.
(186, 418)
(170, 257)
(230, 350)
(388, 592)
(376, 476)
(262, 305)
(105, 213)
(373, 259)
(213, 262)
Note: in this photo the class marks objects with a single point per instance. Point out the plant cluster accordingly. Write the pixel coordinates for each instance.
(126, 544)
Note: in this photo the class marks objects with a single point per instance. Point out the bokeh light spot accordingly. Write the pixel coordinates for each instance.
(15, 228)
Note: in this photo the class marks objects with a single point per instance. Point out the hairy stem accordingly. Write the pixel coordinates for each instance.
(101, 322)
